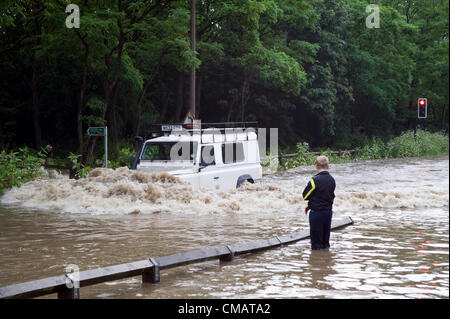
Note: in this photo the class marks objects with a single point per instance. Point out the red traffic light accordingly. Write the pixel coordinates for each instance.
(422, 108)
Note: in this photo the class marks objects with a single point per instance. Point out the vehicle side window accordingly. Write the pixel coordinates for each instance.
(232, 153)
(207, 155)
(239, 152)
(150, 151)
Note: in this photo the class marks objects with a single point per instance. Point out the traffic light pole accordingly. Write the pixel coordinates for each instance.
(420, 124)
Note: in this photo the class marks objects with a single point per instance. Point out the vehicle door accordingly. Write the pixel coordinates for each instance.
(208, 169)
(233, 159)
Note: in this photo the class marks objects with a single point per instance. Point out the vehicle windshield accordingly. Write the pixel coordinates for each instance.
(169, 151)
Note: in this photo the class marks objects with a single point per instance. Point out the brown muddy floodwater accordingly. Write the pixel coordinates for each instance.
(398, 247)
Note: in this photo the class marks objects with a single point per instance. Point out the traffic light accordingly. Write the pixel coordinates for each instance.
(422, 108)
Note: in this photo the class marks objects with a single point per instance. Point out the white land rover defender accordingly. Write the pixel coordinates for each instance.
(212, 157)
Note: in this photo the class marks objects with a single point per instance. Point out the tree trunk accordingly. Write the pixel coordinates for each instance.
(37, 8)
(35, 106)
(108, 89)
(90, 150)
(230, 111)
(245, 94)
(93, 140)
(2, 138)
(164, 104)
(112, 127)
(81, 98)
(198, 96)
(411, 122)
(179, 99)
(139, 107)
(444, 120)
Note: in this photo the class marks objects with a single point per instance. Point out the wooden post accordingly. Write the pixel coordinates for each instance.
(229, 257)
(69, 293)
(151, 275)
(278, 238)
(72, 289)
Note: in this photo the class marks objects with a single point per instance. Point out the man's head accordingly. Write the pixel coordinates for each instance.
(322, 163)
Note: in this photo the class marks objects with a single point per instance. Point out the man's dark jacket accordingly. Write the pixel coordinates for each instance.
(320, 191)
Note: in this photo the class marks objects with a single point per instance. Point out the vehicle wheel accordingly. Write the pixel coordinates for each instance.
(243, 179)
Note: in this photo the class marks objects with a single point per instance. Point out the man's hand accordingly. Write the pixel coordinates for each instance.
(306, 210)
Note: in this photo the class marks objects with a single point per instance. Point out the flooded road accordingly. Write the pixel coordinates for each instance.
(398, 247)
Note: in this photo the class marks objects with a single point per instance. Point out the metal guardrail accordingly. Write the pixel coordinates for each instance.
(281, 156)
(67, 286)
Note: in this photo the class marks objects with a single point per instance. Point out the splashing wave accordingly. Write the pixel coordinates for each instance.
(124, 191)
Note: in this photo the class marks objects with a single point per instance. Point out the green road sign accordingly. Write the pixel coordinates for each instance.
(96, 131)
(100, 131)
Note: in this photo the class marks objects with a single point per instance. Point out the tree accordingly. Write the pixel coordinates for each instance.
(310, 68)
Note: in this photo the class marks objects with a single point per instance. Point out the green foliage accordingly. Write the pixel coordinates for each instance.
(309, 67)
(303, 158)
(125, 155)
(81, 171)
(408, 144)
(20, 167)
(74, 160)
(276, 69)
(423, 143)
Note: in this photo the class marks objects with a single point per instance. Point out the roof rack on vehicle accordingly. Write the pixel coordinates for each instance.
(156, 130)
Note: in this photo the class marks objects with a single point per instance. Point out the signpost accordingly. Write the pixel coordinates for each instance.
(96, 131)
(100, 131)
(189, 118)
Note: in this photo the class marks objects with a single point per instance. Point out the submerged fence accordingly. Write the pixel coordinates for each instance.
(280, 157)
(68, 286)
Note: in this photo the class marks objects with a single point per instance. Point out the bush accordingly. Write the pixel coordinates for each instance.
(80, 170)
(125, 155)
(302, 159)
(22, 166)
(408, 144)
(118, 158)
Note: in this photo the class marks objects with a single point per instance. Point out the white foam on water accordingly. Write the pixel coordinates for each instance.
(123, 191)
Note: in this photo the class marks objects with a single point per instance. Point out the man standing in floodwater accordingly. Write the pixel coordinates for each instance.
(320, 195)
